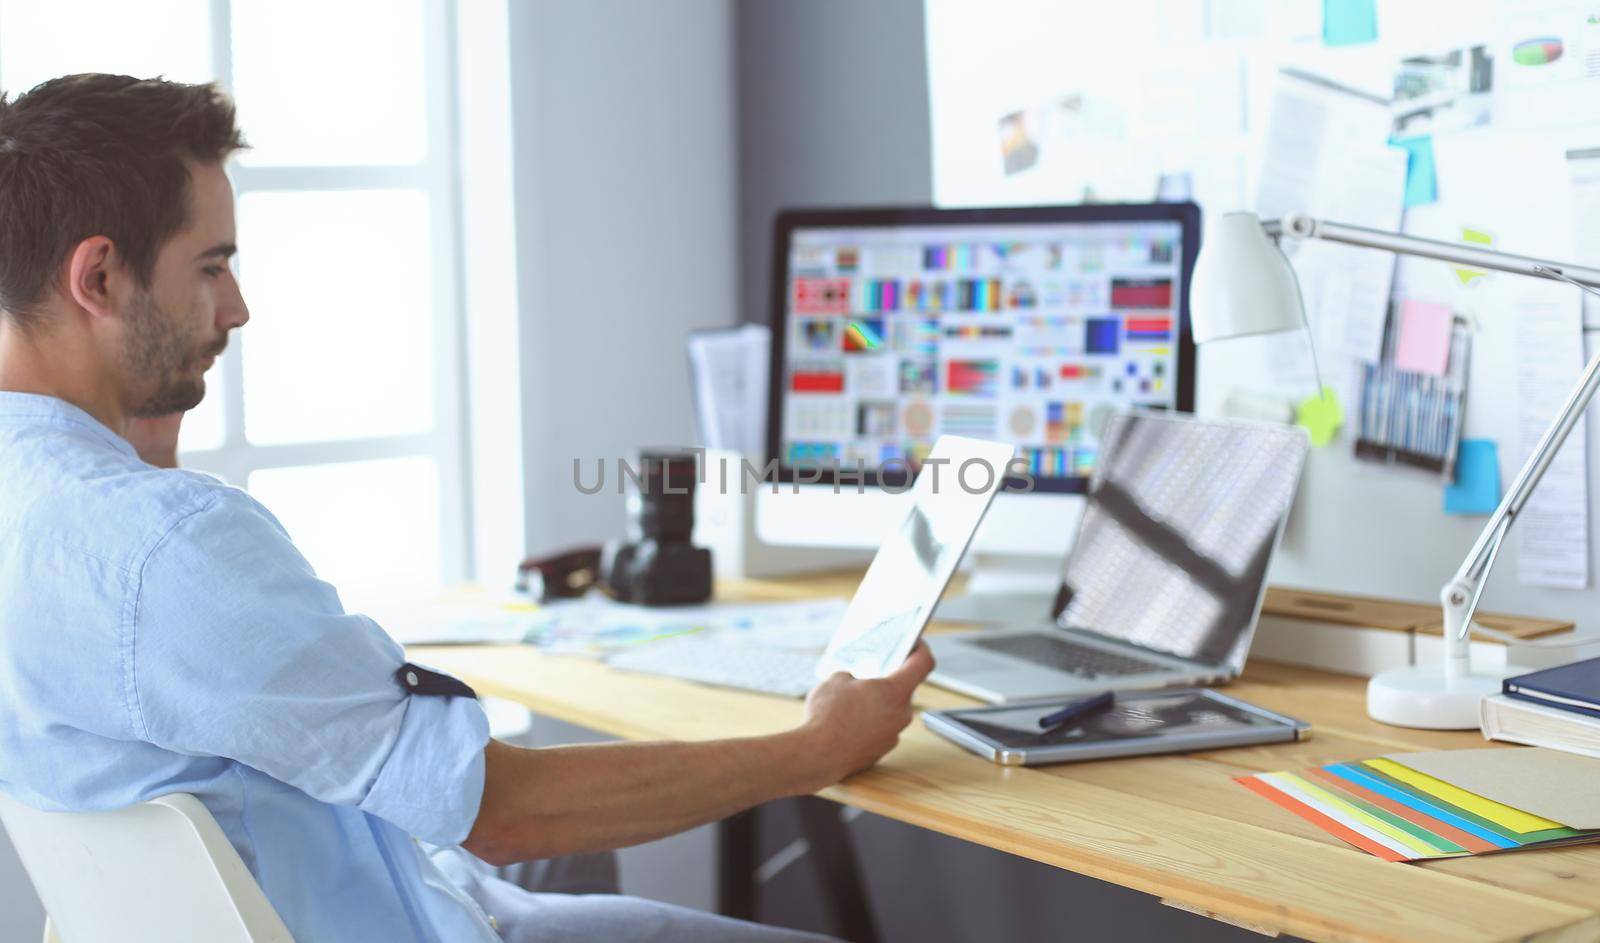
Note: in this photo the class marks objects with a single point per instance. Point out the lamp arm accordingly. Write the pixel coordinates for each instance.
(1476, 566)
(1300, 226)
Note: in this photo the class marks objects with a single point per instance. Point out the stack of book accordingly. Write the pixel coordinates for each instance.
(1558, 708)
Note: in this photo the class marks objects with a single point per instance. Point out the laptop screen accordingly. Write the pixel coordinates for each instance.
(1182, 519)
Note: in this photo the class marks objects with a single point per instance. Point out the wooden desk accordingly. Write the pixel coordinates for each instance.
(1175, 827)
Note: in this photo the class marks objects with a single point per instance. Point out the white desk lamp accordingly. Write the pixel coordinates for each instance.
(1245, 285)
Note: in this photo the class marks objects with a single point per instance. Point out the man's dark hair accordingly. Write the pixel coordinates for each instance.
(99, 155)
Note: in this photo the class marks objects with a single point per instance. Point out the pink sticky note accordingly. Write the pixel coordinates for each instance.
(1424, 338)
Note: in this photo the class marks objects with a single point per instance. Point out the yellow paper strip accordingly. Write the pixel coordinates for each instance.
(1503, 815)
(1417, 846)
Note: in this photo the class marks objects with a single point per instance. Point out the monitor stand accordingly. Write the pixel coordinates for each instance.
(1005, 589)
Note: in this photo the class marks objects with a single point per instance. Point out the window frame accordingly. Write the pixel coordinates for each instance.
(436, 176)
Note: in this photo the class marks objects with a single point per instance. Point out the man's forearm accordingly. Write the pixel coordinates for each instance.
(569, 800)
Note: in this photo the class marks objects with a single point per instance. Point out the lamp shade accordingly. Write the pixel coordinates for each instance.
(1243, 283)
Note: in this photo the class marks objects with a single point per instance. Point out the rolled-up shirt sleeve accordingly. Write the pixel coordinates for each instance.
(234, 648)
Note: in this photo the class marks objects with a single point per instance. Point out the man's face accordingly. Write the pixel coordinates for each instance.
(175, 329)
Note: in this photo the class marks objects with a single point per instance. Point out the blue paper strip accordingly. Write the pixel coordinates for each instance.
(1427, 808)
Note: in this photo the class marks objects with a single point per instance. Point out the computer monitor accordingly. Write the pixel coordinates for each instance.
(1027, 325)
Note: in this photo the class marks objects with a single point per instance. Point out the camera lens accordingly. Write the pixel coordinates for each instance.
(665, 507)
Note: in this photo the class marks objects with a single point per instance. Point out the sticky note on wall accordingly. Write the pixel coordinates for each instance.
(1321, 417)
(1347, 22)
(1475, 237)
(1422, 184)
(1476, 489)
(1424, 343)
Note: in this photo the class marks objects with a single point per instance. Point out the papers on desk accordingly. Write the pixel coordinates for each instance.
(596, 626)
(1420, 806)
(463, 616)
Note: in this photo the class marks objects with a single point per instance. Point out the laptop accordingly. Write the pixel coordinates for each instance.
(1163, 586)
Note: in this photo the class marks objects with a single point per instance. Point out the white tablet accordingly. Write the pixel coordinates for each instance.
(958, 480)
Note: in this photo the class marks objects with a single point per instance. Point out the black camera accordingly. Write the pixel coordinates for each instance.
(659, 567)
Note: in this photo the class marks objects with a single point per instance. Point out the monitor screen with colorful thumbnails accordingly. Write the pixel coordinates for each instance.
(1024, 325)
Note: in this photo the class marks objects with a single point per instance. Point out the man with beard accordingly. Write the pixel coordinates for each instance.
(160, 633)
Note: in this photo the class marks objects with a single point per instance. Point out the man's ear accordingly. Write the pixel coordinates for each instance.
(94, 273)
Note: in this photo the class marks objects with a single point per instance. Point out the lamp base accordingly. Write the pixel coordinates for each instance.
(1422, 696)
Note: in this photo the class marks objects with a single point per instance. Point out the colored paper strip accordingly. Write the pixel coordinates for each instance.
(1426, 805)
(1420, 848)
(1513, 839)
(1515, 819)
(1338, 815)
(1432, 839)
(1320, 820)
(1329, 825)
(1422, 820)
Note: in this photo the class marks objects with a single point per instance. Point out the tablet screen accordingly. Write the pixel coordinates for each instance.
(896, 596)
(1145, 717)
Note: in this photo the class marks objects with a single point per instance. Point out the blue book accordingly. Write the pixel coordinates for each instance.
(1574, 687)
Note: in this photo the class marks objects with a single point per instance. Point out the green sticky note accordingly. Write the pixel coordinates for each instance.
(1322, 416)
(1478, 238)
(1347, 22)
(1476, 489)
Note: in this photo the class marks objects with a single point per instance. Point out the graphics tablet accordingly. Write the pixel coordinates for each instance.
(1140, 723)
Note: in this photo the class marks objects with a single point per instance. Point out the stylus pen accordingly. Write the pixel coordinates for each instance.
(1076, 711)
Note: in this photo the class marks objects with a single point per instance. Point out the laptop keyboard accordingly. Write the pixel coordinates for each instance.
(1063, 655)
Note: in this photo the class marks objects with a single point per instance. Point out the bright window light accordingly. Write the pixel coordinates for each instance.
(370, 528)
(339, 343)
(204, 426)
(322, 83)
(43, 40)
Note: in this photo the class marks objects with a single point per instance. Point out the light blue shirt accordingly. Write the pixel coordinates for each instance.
(160, 633)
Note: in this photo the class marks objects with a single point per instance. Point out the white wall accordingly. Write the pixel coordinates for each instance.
(833, 111)
(626, 191)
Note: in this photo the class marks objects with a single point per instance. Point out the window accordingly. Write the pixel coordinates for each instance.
(340, 404)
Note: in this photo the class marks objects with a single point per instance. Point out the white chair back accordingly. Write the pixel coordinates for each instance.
(152, 873)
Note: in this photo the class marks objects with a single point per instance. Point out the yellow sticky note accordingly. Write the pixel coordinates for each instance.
(1321, 416)
(1476, 237)
(1503, 815)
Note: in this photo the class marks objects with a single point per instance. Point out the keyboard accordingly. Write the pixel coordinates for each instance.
(1064, 655)
(725, 664)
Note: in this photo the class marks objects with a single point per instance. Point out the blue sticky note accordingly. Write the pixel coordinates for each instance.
(1476, 489)
(1422, 185)
(1347, 22)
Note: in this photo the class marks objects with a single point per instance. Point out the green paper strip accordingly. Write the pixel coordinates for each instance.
(1420, 847)
(1432, 838)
